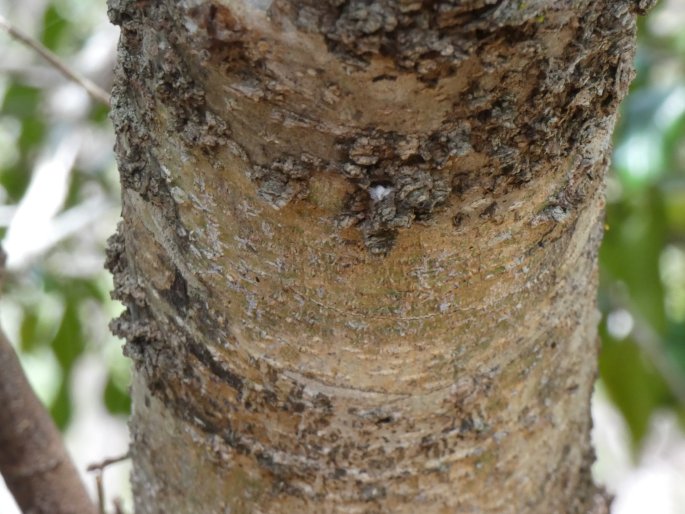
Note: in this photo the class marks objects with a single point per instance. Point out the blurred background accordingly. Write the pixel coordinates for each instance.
(59, 202)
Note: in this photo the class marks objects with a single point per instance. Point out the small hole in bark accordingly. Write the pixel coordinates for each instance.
(483, 116)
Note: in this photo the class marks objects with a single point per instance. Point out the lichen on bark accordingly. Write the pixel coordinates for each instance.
(359, 250)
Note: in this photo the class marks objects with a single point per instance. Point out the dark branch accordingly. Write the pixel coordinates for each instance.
(33, 459)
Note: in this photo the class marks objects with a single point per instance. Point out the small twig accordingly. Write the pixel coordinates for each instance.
(118, 509)
(101, 492)
(95, 91)
(99, 466)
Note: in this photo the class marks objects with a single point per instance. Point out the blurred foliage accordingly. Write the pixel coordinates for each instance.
(642, 292)
(56, 307)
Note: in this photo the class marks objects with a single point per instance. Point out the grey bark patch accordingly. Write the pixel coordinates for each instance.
(642, 7)
(381, 241)
(371, 492)
(282, 180)
(114, 258)
(399, 190)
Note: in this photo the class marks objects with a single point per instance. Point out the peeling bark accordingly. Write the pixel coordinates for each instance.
(359, 250)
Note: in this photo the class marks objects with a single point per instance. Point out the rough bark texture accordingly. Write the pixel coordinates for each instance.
(359, 250)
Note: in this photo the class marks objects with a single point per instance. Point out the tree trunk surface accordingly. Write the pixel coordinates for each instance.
(359, 250)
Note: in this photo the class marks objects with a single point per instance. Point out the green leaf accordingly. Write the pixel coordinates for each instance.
(99, 114)
(75, 289)
(675, 345)
(68, 343)
(55, 27)
(117, 400)
(60, 410)
(21, 101)
(28, 332)
(631, 251)
(633, 384)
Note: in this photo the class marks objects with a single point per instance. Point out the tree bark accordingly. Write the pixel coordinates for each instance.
(359, 250)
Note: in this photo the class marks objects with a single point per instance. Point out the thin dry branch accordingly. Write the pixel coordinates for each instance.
(95, 91)
(99, 466)
(98, 469)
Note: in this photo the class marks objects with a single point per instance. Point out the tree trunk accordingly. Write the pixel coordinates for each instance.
(359, 250)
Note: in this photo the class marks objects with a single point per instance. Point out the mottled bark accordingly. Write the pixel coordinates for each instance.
(359, 250)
